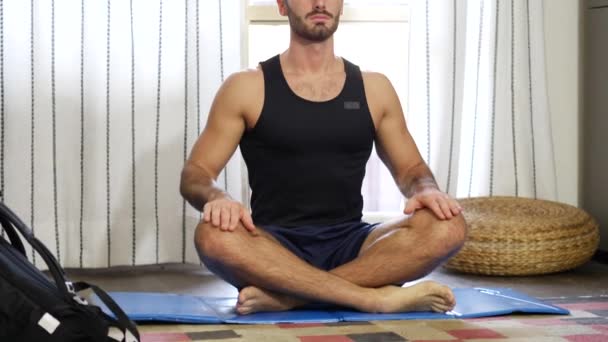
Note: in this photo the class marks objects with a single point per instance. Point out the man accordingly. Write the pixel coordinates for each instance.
(306, 121)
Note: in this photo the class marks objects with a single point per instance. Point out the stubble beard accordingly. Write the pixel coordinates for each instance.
(318, 33)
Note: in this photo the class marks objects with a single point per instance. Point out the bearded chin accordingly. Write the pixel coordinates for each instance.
(319, 33)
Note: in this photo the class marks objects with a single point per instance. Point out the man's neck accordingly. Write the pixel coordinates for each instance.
(304, 56)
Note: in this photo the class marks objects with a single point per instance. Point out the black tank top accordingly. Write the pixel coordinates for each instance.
(306, 160)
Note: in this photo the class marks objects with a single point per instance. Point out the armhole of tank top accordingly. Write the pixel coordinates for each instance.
(264, 100)
(357, 74)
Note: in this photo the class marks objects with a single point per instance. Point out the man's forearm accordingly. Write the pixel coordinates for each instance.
(198, 188)
(417, 179)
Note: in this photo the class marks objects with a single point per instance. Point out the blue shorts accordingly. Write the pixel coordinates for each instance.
(325, 247)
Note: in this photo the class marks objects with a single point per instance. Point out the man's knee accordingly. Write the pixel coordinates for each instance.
(456, 233)
(218, 250)
(447, 236)
(212, 243)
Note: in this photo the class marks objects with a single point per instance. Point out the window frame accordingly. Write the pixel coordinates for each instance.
(352, 13)
(266, 13)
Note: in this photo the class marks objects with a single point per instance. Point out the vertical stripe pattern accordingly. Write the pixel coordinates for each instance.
(221, 29)
(133, 170)
(198, 79)
(481, 7)
(108, 190)
(494, 81)
(513, 97)
(102, 191)
(185, 124)
(80, 225)
(531, 97)
(222, 73)
(53, 106)
(550, 129)
(32, 129)
(454, 47)
(160, 49)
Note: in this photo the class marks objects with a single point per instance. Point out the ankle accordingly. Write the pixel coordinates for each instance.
(372, 301)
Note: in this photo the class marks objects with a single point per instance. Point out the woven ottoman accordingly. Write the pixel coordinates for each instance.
(521, 236)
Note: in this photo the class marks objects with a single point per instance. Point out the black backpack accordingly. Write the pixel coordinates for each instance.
(33, 308)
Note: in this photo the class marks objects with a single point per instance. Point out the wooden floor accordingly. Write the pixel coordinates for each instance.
(589, 280)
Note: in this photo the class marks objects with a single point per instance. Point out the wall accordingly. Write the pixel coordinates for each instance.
(563, 56)
(594, 165)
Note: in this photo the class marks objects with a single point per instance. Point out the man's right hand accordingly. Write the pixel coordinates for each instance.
(226, 213)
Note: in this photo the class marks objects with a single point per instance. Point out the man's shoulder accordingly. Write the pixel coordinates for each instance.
(377, 85)
(374, 77)
(379, 91)
(242, 91)
(242, 87)
(245, 78)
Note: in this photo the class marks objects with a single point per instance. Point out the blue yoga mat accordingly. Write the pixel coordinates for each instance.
(164, 307)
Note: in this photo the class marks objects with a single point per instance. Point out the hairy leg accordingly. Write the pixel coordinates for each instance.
(268, 268)
(404, 249)
(245, 259)
(394, 253)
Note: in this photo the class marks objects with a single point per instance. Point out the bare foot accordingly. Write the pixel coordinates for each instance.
(253, 299)
(424, 296)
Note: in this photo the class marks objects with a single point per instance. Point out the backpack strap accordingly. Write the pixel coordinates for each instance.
(9, 219)
(13, 237)
(124, 323)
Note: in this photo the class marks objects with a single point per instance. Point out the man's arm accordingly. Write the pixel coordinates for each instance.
(214, 147)
(397, 149)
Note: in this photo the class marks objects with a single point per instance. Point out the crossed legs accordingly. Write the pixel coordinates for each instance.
(272, 278)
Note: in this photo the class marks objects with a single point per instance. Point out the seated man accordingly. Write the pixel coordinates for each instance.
(306, 122)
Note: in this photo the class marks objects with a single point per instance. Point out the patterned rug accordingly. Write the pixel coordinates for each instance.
(588, 322)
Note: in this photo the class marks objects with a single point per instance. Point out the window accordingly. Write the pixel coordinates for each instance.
(375, 37)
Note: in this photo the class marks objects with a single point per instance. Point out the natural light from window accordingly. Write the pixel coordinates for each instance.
(372, 34)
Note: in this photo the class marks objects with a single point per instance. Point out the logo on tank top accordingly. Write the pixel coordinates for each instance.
(352, 105)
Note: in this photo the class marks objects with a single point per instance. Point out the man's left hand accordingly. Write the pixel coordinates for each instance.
(444, 206)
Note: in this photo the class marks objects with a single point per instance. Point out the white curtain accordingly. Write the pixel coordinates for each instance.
(101, 101)
(477, 103)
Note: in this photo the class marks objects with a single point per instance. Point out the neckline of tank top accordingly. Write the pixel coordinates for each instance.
(293, 93)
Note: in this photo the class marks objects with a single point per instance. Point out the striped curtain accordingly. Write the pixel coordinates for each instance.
(479, 111)
(100, 103)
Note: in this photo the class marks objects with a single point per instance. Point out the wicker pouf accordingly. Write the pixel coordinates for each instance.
(520, 236)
